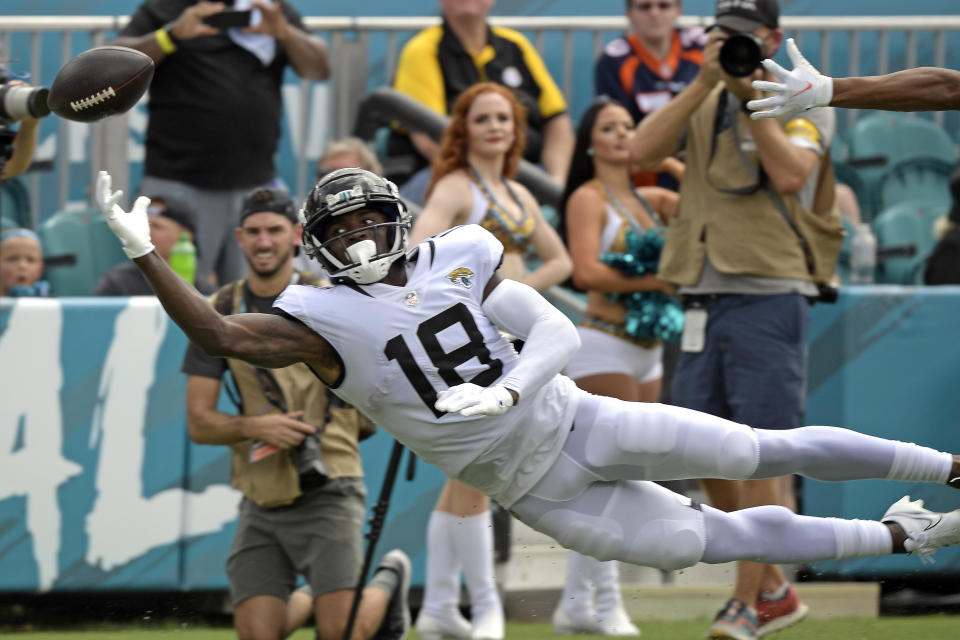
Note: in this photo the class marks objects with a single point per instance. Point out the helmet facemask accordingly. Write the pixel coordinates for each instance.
(348, 191)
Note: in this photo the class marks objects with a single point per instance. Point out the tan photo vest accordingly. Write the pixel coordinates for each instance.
(745, 234)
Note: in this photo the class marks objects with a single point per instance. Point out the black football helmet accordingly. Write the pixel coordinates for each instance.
(345, 191)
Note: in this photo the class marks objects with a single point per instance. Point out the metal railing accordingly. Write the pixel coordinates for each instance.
(365, 51)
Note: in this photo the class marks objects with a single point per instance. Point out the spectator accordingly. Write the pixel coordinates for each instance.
(215, 109)
(943, 266)
(472, 184)
(600, 207)
(348, 152)
(21, 264)
(296, 517)
(750, 188)
(438, 63)
(649, 66)
(169, 218)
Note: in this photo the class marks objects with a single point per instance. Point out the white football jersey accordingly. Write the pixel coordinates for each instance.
(401, 346)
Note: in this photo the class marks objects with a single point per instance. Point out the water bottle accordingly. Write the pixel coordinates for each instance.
(863, 255)
(183, 258)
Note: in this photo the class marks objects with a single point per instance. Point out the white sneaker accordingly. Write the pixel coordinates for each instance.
(926, 530)
(453, 627)
(489, 625)
(617, 623)
(566, 622)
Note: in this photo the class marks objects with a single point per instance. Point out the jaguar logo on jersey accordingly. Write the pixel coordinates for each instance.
(411, 298)
(461, 276)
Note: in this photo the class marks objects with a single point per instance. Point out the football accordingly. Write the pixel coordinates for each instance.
(100, 82)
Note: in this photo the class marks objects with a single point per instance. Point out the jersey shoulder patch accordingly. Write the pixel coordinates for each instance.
(617, 48)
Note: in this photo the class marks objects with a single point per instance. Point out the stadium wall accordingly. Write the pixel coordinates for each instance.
(100, 488)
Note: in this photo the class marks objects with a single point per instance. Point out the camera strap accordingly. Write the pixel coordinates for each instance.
(762, 183)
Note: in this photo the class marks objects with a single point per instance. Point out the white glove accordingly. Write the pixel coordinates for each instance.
(132, 228)
(798, 90)
(470, 399)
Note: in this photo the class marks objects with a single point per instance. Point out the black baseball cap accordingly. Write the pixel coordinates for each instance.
(268, 199)
(747, 15)
(176, 210)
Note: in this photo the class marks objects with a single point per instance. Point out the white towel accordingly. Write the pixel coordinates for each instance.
(259, 44)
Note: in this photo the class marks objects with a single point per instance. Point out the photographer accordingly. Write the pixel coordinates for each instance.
(24, 142)
(753, 237)
(295, 458)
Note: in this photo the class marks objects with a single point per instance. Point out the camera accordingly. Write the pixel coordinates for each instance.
(310, 466)
(826, 293)
(18, 102)
(740, 54)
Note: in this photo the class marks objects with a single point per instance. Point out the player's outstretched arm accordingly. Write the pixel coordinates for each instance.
(803, 87)
(261, 339)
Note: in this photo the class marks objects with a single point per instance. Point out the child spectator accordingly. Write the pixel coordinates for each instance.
(21, 264)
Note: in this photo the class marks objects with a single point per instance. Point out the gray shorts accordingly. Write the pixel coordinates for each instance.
(319, 536)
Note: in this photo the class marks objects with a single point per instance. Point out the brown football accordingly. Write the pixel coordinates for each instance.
(100, 82)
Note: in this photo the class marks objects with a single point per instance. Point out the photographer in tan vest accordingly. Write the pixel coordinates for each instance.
(296, 460)
(753, 241)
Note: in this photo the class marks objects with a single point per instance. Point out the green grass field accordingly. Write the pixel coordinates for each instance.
(886, 628)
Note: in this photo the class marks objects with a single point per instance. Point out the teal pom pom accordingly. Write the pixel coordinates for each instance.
(651, 315)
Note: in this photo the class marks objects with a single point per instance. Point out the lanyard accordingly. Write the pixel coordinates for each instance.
(497, 210)
(626, 214)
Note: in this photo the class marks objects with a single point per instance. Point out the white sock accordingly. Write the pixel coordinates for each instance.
(441, 592)
(607, 579)
(473, 542)
(776, 535)
(577, 593)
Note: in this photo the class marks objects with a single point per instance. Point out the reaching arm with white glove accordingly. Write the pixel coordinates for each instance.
(799, 89)
(131, 228)
(549, 341)
(920, 89)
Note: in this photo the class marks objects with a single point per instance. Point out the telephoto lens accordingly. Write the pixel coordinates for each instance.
(741, 54)
(18, 102)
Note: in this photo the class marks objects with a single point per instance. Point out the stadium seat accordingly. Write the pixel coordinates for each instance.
(83, 234)
(917, 179)
(15, 203)
(880, 143)
(906, 226)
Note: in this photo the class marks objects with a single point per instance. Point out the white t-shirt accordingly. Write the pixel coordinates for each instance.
(400, 346)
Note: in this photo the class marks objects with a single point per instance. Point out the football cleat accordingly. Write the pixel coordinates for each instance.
(926, 530)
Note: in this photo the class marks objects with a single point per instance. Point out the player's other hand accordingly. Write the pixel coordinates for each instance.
(131, 227)
(469, 399)
(799, 89)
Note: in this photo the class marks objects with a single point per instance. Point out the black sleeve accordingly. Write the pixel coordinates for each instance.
(106, 286)
(147, 18)
(198, 363)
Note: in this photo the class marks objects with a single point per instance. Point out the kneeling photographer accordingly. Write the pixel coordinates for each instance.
(295, 459)
(19, 102)
(754, 240)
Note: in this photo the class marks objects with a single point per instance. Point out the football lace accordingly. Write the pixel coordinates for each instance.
(95, 99)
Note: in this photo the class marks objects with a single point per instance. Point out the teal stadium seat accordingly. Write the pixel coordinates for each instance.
(910, 153)
(84, 234)
(908, 224)
(15, 204)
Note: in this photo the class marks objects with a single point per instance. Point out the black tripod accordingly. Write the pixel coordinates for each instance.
(376, 527)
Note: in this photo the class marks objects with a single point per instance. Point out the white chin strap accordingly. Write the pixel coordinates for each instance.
(368, 271)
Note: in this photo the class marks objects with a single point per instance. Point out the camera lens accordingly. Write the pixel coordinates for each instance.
(17, 102)
(740, 54)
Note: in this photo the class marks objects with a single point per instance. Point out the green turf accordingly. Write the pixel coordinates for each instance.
(886, 628)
